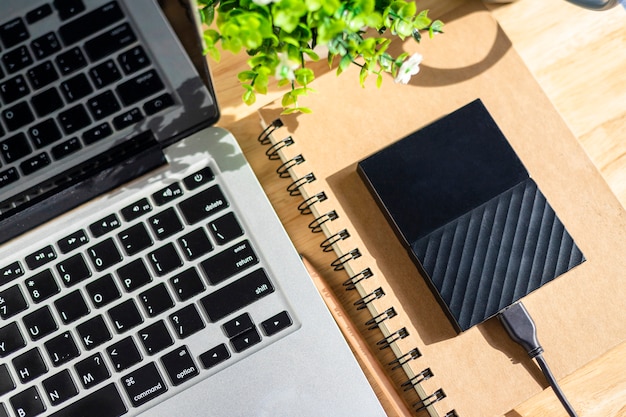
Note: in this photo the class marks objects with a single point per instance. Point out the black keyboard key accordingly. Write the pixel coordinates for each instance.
(203, 204)
(186, 321)
(214, 356)
(165, 260)
(34, 164)
(90, 23)
(105, 402)
(140, 87)
(198, 179)
(109, 42)
(45, 45)
(97, 133)
(13, 89)
(15, 147)
(6, 381)
(8, 176)
(165, 224)
(73, 119)
(38, 13)
(11, 339)
(136, 210)
(68, 8)
(105, 225)
(167, 194)
(134, 275)
(155, 337)
(133, 60)
(42, 75)
(76, 88)
(10, 272)
(40, 323)
(42, 286)
(17, 116)
(44, 133)
(276, 323)
(92, 371)
(12, 301)
(47, 102)
(73, 270)
(60, 387)
(41, 257)
(17, 59)
(125, 316)
(187, 284)
(157, 104)
(245, 340)
(225, 229)
(229, 262)
(179, 365)
(103, 291)
(29, 365)
(128, 118)
(238, 325)
(104, 254)
(143, 384)
(94, 332)
(103, 105)
(124, 354)
(62, 349)
(195, 244)
(73, 241)
(135, 239)
(27, 403)
(13, 32)
(71, 307)
(237, 295)
(156, 300)
(70, 60)
(105, 74)
(66, 148)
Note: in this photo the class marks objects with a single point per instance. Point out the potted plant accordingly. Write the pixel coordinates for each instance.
(280, 36)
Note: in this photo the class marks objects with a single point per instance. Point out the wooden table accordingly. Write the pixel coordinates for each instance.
(579, 59)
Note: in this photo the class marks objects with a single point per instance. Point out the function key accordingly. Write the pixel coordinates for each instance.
(198, 179)
(167, 194)
(10, 272)
(105, 225)
(13, 32)
(8, 176)
(136, 210)
(41, 257)
(66, 148)
(68, 8)
(39, 13)
(73, 241)
(35, 163)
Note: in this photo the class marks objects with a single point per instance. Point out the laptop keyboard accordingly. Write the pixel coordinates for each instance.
(66, 89)
(137, 304)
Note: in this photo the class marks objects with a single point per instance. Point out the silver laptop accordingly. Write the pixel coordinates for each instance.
(142, 270)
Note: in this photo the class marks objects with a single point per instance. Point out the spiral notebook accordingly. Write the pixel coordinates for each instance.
(480, 372)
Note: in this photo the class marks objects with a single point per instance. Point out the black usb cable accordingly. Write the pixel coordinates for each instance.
(521, 328)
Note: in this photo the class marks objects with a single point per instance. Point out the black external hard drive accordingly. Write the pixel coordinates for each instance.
(473, 220)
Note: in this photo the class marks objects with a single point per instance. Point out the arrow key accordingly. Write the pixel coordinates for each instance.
(276, 323)
(238, 325)
(215, 356)
(246, 340)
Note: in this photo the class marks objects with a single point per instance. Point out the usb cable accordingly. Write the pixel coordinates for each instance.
(521, 328)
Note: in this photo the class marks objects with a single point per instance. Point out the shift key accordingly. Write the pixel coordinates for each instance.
(237, 295)
(229, 262)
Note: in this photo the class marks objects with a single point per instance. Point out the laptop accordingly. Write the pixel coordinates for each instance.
(142, 269)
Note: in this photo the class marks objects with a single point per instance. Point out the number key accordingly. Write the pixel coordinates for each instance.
(42, 286)
(73, 270)
(12, 301)
(104, 254)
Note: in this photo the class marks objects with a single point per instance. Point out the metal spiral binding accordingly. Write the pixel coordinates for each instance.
(362, 303)
(305, 206)
(417, 379)
(272, 151)
(264, 137)
(393, 337)
(430, 400)
(339, 263)
(407, 357)
(294, 187)
(351, 282)
(327, 245)
(316, 225)
(451, 413)
(283, 170)
(374, 322)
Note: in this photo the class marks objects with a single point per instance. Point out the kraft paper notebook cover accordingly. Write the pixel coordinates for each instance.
(479, 372)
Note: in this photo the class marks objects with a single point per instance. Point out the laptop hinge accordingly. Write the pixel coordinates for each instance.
(80, 184)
